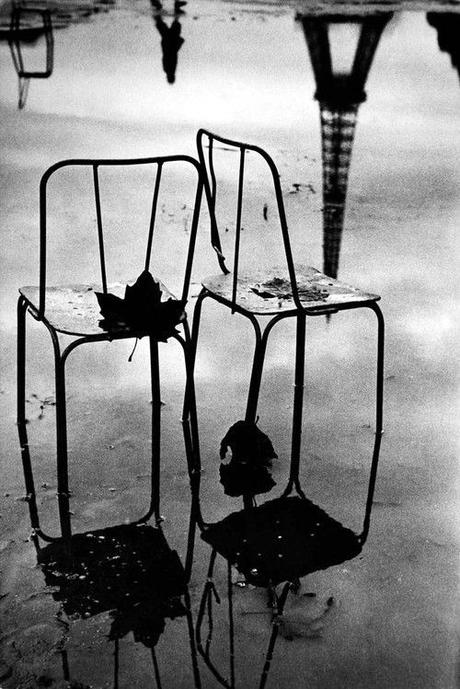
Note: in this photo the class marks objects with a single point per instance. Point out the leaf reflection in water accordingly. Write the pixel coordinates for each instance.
(252, 453)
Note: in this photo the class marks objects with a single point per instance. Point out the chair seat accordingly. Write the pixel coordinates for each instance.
(270, 293)
(114, 568)
(282, 540)
(74, 309)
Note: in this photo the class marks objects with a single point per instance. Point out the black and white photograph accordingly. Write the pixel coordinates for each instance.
(229, 336)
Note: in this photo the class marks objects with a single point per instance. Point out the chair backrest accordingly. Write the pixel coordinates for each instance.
(122, 193)
(207, 143)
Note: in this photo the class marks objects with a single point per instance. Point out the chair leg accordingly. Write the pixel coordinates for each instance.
(191, 633)
(192, 448)
(296, 443)
(231, 626)
(209, 592)
(378, 418)
(258, 364)
(21, 416)
(196, 321)
(116, 663)
(189, 411)
(156, 430)
(281, 601)
(156, 668)
(61, 440)
(256, 373)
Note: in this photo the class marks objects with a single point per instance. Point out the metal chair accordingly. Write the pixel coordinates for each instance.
(28, 23)
(73, 310)
(286, 538)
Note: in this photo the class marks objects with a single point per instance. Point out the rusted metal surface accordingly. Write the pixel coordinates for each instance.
(270, 293)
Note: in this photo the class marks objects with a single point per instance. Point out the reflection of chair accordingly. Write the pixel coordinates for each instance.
(128, 570)
(286, 538)
(137, 188)
(20, 33)
(339, 92)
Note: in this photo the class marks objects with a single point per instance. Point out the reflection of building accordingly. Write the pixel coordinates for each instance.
(447, 25)
(28, 25)
(339, 91)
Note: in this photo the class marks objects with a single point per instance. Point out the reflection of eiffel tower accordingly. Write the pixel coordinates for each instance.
(27, 25)
(339, 95)
(447, 25)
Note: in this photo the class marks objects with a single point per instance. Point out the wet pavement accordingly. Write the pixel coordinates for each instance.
(123, 614)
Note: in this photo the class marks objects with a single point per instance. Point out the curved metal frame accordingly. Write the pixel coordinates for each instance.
(189, 417)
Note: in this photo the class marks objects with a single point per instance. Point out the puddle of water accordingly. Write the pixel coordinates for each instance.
(245, 70)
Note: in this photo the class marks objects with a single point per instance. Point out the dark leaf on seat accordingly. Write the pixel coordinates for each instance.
(141, 309)
(252, 451)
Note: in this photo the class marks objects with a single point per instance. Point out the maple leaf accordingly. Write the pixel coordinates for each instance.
(252, 452)
(141, 310)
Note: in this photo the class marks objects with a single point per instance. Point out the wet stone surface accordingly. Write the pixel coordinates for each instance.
(372, 200)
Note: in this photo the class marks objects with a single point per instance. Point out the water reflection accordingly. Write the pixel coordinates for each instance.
(29, 25)
(447, 25)
(273, 545)
(171, 39)
(127, 570)
(340, 75)
(29, 30)
(410, 279)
